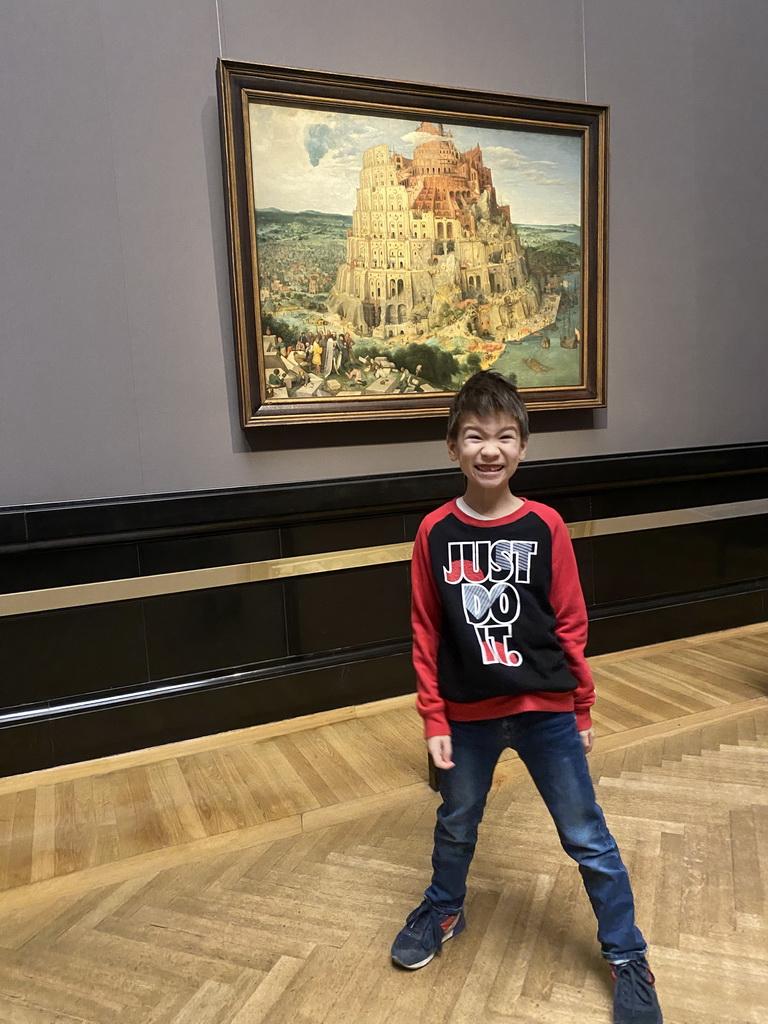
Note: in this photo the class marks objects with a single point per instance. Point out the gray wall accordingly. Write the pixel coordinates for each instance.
(116, 356)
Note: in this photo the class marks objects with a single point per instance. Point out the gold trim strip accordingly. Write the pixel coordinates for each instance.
(106, 591)
(661, 520)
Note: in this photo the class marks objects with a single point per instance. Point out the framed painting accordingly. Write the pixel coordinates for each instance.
(389, 239)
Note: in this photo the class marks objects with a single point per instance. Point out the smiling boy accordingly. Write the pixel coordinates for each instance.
(499, 628)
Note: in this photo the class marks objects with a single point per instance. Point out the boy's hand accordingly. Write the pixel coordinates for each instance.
(587, 739)
(441, 749)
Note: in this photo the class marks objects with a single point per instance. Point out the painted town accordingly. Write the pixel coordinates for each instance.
(427, 281)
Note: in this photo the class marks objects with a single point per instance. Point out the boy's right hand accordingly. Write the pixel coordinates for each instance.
(441, 749)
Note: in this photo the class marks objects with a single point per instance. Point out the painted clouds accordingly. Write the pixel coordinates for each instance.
(310, 160)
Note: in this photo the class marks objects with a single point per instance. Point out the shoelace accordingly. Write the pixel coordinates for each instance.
(426, 921)
(634, 984)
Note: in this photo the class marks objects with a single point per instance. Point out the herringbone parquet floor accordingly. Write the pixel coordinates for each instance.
(293, 926)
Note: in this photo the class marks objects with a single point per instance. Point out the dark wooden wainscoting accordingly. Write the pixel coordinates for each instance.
(89, 680)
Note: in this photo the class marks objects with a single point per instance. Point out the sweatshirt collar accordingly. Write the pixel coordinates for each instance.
(484, 523)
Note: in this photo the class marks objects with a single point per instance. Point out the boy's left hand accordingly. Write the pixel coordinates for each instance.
(587, 739)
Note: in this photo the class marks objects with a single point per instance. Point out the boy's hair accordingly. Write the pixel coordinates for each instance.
(486, 394)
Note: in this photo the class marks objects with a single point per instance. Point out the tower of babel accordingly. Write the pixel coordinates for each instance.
(427, 232)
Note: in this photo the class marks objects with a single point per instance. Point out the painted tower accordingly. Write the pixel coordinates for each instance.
(428, 231)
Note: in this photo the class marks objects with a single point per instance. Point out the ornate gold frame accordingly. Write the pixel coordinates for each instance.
(242, 84)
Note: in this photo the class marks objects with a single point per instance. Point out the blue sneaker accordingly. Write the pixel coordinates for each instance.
(426, 929)
(634, 994)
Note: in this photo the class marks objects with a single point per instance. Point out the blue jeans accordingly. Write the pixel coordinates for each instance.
(550, 747)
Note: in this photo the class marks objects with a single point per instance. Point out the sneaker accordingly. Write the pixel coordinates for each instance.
(634, 994)
(426, 929)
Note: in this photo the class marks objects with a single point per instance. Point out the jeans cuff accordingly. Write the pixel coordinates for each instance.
(622, 958)
(446, 911)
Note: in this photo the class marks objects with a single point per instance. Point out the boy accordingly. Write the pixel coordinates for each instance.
(499, 627)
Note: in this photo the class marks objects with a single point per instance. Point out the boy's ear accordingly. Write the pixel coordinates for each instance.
(523, 449)
(453, 451)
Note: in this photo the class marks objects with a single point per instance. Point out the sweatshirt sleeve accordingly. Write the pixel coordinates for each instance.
(426, 620)
(570, 610)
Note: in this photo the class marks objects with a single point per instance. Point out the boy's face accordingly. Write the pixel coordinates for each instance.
(488, 449)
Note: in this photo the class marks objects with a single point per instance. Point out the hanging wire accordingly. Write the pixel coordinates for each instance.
(584, 46)
(218, 28)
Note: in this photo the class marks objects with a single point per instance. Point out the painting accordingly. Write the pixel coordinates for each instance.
(387, 240)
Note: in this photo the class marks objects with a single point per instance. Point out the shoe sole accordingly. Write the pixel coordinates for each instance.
(458, 927)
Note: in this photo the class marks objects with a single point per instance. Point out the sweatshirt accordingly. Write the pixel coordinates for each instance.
(499, 620)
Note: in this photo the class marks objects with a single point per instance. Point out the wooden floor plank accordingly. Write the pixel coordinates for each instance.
(357, 743)
(274, 784)
(217, 806)
(342, 778)
(749, 897)
(171, 796)
(107, 839)
(19, 864)
(127, 821)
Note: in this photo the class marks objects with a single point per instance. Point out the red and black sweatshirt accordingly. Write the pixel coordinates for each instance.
(499, 620)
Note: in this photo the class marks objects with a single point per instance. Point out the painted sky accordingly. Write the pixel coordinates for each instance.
(313, 159)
